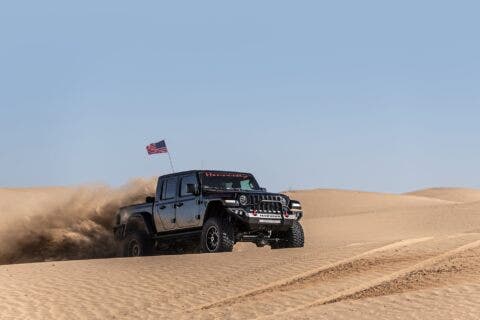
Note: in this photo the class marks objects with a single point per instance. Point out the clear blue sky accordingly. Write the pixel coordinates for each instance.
(371, 95)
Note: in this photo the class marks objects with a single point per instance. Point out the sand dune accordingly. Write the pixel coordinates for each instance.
(367, 255)
(449, 194)
(324, 203)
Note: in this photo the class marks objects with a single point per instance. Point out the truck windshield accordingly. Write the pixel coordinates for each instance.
(229, 181)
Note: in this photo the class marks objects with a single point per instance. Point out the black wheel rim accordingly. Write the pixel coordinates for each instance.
(134, 249)
(212, 240)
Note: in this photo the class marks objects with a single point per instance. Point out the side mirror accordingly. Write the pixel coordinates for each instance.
(192, 189)
(150, 199)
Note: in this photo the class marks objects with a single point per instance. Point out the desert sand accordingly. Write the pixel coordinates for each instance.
(367, 256)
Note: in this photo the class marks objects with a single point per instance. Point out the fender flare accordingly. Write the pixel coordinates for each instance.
(133, 223)
(209, 211)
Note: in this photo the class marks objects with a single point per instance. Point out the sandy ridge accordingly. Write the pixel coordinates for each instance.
(459, 195)
(347, 294)
(304, 276)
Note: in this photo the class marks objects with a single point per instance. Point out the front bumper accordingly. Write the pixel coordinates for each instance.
(265, 220)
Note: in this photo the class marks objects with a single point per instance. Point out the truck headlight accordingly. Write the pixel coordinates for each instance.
(296, 205)
(243, 200)
(283, 201)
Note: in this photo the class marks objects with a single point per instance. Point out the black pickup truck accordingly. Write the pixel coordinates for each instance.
(208, 211)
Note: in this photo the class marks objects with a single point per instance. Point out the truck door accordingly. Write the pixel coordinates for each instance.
(188, 207)
(165, 207)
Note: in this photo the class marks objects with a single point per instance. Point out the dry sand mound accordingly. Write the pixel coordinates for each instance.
(449, 194)
(367, 256)
(324, 202)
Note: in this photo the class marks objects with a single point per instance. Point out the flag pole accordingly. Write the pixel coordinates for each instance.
(171, 163)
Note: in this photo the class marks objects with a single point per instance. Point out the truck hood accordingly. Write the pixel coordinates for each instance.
(234, 194)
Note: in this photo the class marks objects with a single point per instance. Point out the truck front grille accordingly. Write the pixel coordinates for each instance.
(266, 203)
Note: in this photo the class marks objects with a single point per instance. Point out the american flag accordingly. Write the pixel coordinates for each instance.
(159, 147)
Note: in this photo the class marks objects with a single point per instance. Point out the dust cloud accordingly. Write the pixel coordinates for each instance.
(46, 224)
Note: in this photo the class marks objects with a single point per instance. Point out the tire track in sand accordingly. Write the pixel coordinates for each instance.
(284, 283)
(362, 291)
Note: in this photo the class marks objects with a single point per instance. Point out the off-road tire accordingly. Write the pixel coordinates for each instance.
(217, 236)
(137, 244)
(293, 238)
